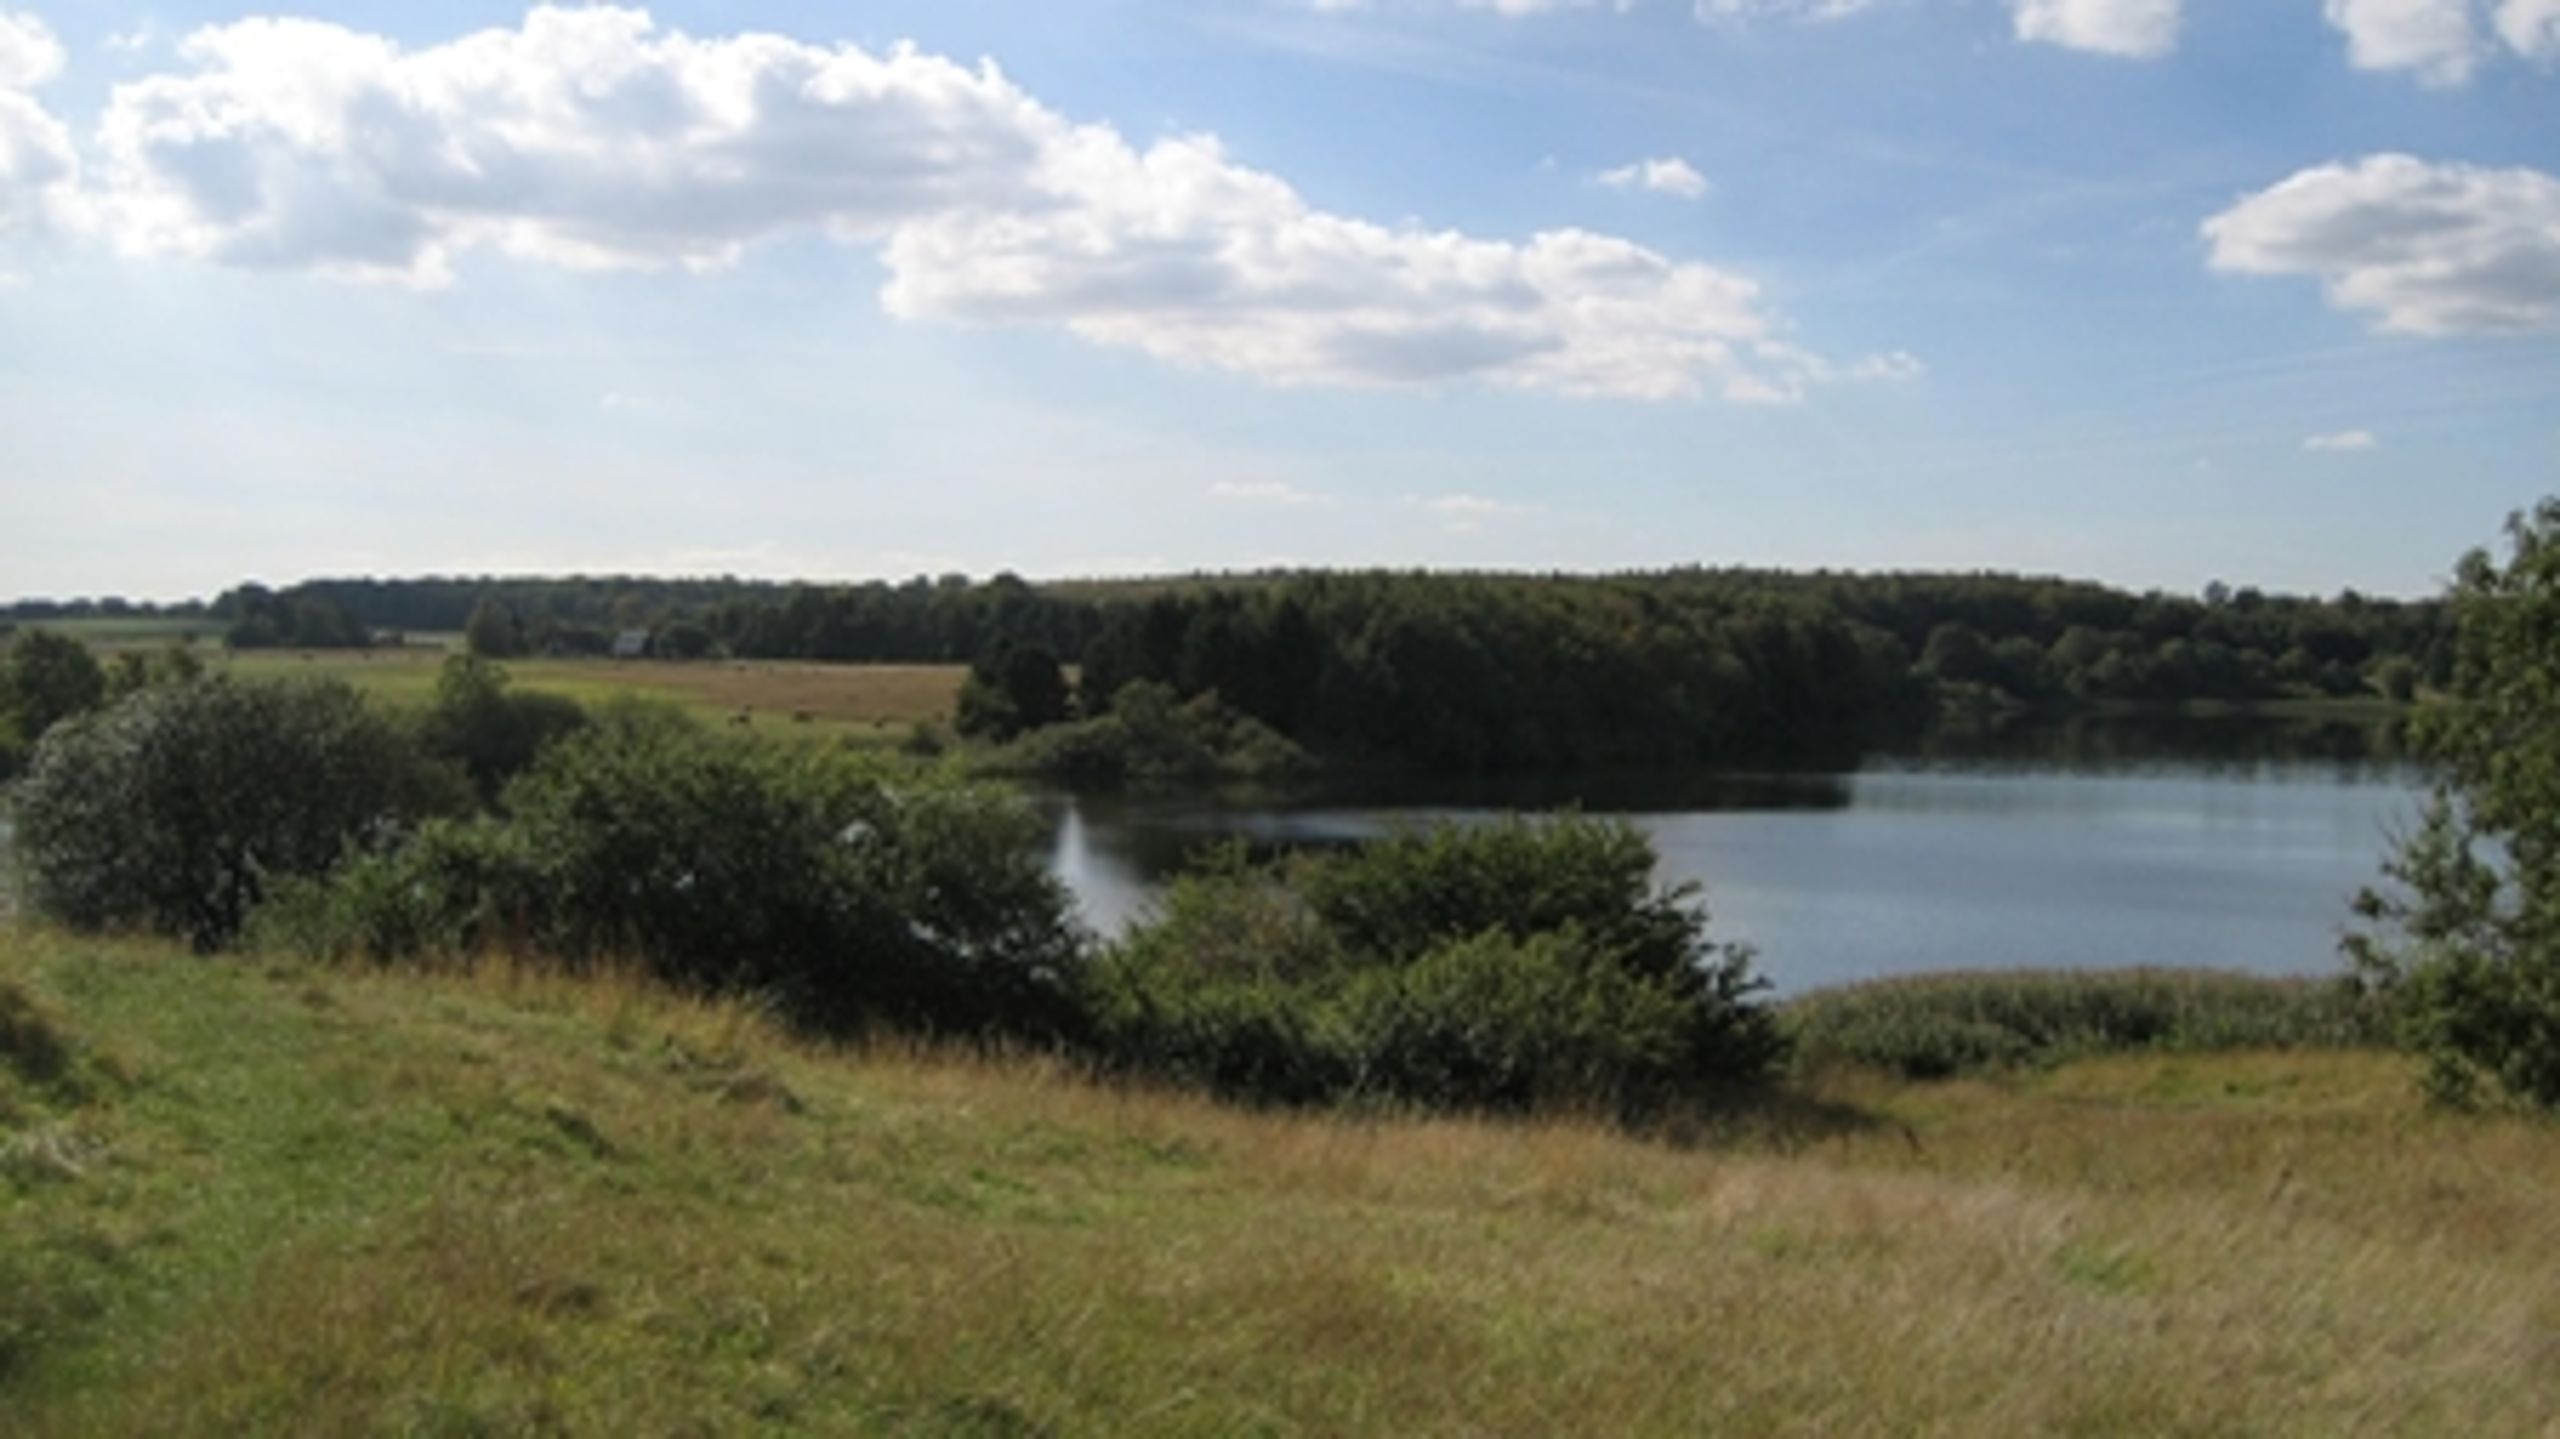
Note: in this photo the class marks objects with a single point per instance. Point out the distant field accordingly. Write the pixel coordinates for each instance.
(861, 702)
(142, 631)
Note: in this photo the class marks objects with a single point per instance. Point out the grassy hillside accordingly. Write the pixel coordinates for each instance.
(244, 1198)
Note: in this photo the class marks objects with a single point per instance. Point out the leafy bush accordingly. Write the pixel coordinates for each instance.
(731, 866)
(1508, 967)
(1011, 689)
(180, 806)
(1407, 895)
(2465, 939)
(1151, 735)
(456, 888)
(1937, 1025)
(1496, 1022)
(45, 679)
(492, 733)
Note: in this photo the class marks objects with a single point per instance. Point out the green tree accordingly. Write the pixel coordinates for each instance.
(46, 678)
(1013, 689)
(177, 808)
(492, 732)
(2464, 937)
(493, 631)
(685, 640)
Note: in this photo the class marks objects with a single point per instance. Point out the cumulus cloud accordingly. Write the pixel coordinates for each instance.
(2342, 442)
(36, 160)
(1668, 176)
(2531, 28)
(2131, 29)
(29, 54)
(2425, 248)
(2432, 38)
(593, 138)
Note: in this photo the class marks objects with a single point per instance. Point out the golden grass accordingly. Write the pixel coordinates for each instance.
(780, 697)
(510, 1202)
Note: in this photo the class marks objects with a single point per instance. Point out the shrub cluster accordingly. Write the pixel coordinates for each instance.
(1151, 735)
(179, 807)
(797, 874)
(1934, 1026)
(1513, 966)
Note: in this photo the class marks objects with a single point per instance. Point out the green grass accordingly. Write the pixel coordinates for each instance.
(1934, 1025)
(277, 1200)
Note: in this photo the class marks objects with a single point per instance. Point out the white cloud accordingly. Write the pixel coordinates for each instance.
(2131, 29)
(2342, 442)
(593, 138)
(2425, 248)
(30, 56)
(2431, 37)
(1668, 176)
(2531, 28)
(37, 165)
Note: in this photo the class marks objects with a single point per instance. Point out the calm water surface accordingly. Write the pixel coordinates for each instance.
(2033, 858)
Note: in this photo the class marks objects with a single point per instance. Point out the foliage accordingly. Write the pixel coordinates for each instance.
(686, 640)
(295, 619)
(732, 867)
(1509, 966)
(177, 808)
(1011, 689)
(2465, 937)
(1149, 735)
(1479, 672)
(133, 671)
(1471, 673)
(1506, 1023)
(491, 732)
(45, 679)
(1934, 1026)
(493, 631)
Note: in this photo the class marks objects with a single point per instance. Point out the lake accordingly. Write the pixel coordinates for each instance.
(2229, 845)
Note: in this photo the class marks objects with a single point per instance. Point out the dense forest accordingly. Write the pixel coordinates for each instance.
(1464, 671)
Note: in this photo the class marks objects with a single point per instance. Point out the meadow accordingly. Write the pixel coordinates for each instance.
(257, 1197)
(860, 704)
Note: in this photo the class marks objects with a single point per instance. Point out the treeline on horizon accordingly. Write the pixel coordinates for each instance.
(1472, 671)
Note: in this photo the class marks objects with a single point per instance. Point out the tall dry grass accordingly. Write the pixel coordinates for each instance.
(513, 1202)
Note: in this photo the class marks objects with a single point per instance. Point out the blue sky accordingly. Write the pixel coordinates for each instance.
(2117, 288)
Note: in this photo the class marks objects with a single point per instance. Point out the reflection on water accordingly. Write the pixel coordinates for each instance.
(2224, 844)
(2236, 745)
